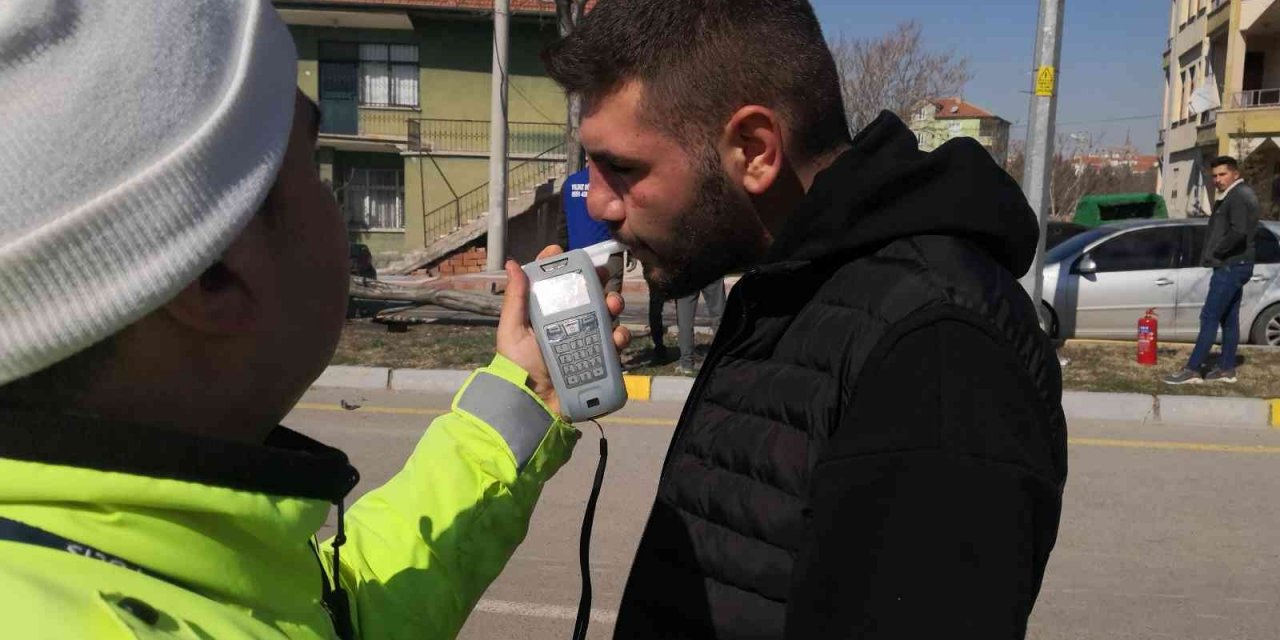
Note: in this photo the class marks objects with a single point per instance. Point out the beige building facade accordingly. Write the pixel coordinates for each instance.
(1222, 97)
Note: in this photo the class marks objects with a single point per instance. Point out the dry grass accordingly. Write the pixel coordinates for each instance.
(1093, 366)
(1114, 367)
(429, 346)
(453, 346)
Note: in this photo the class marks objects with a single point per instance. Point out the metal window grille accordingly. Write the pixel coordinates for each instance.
(374, 199)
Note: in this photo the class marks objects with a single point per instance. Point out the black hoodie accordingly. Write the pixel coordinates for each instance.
(875, 446)
(885, 188)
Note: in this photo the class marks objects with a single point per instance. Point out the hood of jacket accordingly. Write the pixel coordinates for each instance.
(884, 188)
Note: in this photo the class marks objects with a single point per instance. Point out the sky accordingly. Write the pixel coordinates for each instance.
(1111, 57)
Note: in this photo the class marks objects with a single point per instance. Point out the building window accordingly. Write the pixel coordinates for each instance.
(374, 199)
(389, 75)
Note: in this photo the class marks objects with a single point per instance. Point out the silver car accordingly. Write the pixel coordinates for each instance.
(1099, 283)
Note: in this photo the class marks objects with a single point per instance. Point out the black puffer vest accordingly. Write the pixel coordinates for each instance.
(886, 234)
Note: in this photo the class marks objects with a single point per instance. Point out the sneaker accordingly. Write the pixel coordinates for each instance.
(1221, 375)
(660, 354)
(687, 370)
(1185, 376)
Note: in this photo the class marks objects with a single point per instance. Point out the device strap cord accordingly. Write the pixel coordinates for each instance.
(584, 543)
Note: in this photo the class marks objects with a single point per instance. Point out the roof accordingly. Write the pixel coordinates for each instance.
(1128, 158)
(517, 6)
(956, 108)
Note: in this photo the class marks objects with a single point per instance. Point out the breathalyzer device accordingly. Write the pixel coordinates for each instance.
(575, 331)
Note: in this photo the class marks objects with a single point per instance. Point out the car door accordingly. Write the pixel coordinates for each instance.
(1193, 282)
(1261, 291)
(1193, 286)
(1136, 271)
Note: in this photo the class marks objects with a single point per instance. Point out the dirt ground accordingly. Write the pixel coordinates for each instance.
(1092, 366)
(452, 346)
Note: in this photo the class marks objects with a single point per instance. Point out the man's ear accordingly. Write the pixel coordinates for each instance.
(222, 300)
(754, 137)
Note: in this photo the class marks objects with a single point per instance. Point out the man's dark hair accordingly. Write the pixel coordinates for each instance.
(1228, 161)
(699, 61)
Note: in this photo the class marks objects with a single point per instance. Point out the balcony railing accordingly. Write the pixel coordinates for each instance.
(472, 136)
(347, 120)
(1256, 98)
(433, 134)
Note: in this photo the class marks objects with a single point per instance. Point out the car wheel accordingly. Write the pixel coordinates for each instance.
(1266, 329)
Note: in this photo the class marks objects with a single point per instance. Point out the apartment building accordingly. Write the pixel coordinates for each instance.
(404, 90)
(937, 121)
(1222, 97)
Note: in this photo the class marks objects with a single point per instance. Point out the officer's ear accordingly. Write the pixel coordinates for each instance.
(224, 300)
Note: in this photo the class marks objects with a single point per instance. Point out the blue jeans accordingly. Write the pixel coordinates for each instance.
(1221, 309)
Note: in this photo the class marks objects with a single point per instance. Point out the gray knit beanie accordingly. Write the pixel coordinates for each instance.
(137, 137)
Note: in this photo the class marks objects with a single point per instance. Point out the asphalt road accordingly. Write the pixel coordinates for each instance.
(1167, 532)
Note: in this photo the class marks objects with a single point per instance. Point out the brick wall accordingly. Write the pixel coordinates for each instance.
(469, 259)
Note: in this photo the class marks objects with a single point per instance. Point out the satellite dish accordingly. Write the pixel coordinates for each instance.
(955, 108)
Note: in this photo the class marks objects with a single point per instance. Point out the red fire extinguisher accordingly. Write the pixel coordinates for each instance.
(1148, 338)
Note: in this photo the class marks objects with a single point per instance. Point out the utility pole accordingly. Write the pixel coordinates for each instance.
(1037, 175)
(497, 246)
(569, 14)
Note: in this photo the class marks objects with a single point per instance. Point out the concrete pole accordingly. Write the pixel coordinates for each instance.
(1036, 180)
(497, 246)
(569, 15)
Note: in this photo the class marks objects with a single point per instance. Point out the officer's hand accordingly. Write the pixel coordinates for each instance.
(516, 340)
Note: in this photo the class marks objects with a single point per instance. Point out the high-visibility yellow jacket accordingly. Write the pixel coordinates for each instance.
(177, 536)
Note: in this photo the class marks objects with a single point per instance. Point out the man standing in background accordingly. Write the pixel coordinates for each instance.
(583, 231)
(1229, 251)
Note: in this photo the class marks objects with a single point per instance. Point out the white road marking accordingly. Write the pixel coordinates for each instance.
(534, 610)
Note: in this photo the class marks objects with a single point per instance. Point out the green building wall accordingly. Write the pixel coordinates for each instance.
(455, 84)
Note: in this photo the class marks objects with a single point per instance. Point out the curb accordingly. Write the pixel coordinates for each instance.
(354, 378)
(1252, 413)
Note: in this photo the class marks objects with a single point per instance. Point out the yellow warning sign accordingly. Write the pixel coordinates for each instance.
(1046, 80)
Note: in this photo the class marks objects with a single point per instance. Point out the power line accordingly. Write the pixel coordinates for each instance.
(1098, 121)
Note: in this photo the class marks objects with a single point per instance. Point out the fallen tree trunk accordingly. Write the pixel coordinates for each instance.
(448, 298)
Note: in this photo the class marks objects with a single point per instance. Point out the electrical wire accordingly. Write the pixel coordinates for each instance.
(1099, 121)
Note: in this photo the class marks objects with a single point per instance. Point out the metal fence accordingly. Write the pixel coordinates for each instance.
(392, 124)
(472, 136)
(472, 205)
(1256, 98)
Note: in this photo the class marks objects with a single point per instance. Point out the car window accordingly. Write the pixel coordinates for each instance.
(1267, 246)
(1075, 244)
(1140, 250)
(1194, 246)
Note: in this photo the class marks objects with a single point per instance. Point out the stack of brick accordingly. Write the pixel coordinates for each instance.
(466, 260)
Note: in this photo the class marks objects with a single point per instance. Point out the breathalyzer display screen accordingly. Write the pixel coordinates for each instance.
(561, 293)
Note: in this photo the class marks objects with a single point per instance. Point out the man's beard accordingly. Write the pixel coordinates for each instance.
(719, 233)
